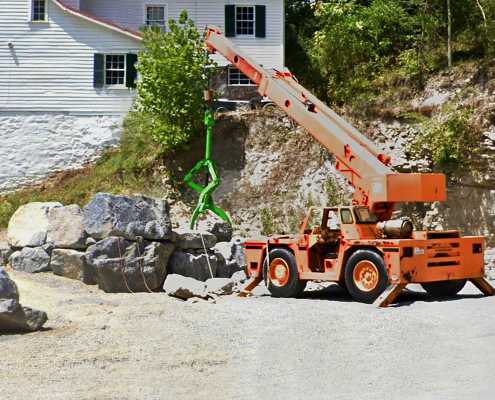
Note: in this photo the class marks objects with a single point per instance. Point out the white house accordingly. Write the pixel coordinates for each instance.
(67, 72)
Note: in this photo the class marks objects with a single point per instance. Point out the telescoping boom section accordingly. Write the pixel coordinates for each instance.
(365, 167)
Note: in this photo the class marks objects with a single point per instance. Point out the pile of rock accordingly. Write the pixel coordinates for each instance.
(121, 244)
(13, 316)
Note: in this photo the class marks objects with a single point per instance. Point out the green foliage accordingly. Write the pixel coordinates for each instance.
(335, 194)
(172, 80)
(268, 225)
(451, 143)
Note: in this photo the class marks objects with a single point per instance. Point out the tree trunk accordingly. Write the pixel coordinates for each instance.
(449, 35)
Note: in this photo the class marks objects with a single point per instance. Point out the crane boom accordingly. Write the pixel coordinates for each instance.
(364, 166)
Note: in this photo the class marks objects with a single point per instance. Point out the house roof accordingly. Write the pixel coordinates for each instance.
(99, 21)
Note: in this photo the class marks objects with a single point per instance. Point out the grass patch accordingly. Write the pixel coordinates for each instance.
(126, 170)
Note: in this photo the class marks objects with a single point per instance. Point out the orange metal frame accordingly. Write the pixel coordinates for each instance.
(377, 187)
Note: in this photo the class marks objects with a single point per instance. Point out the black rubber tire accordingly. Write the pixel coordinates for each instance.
(444, 288)
(356, 293)
(294, 286)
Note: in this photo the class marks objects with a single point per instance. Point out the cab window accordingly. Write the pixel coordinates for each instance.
(364, 216)
(346, 216)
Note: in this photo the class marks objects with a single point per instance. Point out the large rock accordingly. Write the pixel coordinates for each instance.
(195, 265)
(8, 288)
(183, 287)
(122, 265)
(194, 240)
(72, 264)
(107, 215)
(31, 259)
(66, 227)
(15, 318)
(233, 254)
(29, 225)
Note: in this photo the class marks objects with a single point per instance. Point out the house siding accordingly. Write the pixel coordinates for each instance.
(50, 67)
(268, 51)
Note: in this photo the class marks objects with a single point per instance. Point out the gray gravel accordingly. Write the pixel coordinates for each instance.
(152, 346)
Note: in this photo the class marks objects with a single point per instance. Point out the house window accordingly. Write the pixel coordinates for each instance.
(155, 16)
(244, 20)
(237, 78)
(38, 10)
(115, 66)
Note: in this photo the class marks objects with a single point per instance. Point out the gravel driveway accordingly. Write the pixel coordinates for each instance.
(324, 346)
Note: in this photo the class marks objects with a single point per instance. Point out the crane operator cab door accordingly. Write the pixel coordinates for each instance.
(324, 234)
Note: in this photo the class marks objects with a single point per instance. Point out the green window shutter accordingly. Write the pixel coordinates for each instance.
(131, 72)
(99, 71)
(261, 21)
(229, 20)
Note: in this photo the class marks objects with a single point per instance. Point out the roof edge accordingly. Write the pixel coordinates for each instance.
(99, 21)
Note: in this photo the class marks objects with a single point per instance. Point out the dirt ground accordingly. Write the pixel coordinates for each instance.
(323, 346)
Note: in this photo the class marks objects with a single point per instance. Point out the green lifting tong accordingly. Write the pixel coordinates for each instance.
(205, 202)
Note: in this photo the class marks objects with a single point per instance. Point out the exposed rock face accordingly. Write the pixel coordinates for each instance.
(122, 265)
(70, 264)
(31, 259)
(14, 317)
(183, 287)
(29, 225)
(107, 215)
(8, 288)
(195, 265)
(193, 240)
(66, 227)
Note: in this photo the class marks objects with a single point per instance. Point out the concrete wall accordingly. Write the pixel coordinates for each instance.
(35, 145)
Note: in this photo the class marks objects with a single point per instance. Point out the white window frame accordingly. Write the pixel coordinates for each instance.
(254, 20)
(165, 14)
(231, 70)
(116, 86)
(31, 13)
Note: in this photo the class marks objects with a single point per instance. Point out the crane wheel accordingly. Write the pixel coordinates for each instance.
(444, 288)
(281, 275)
(365, 275)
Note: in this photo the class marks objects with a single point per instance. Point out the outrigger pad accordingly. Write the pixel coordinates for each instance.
(252, 283)
(483, 285)
(389, 295)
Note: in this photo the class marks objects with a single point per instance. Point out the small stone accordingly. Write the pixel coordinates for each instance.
(219, 286)
(31, 260)
(184, 287)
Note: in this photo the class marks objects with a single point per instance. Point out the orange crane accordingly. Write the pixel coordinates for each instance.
(357, 246)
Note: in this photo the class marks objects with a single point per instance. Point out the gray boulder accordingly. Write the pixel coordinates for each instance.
(8, 288)
(183, 287)
(122, 265)
(66, 227)
(233, 254)
(71, 264)
(195, 265)
(219, 286)
(31, 259)
(239, 279)
(29, 225)
(108, 215)
(222, 230)
(193, 240)
(15, 318)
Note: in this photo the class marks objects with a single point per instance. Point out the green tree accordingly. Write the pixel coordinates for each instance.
(173, 74)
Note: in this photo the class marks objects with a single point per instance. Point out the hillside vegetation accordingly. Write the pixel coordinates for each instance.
(388, 66)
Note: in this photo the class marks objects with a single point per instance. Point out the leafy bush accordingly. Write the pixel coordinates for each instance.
(451, 143)
(172, 79)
